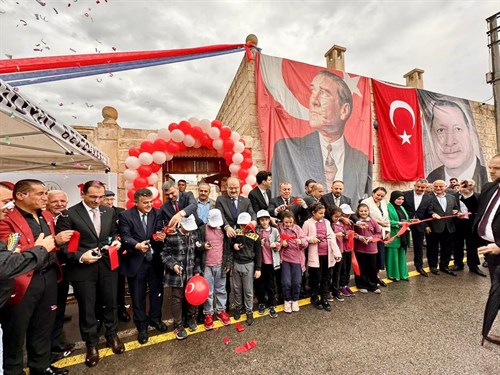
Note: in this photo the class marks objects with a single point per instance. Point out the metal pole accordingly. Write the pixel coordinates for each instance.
(494, 76)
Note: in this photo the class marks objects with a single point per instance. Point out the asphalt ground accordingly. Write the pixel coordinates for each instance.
(425, 326)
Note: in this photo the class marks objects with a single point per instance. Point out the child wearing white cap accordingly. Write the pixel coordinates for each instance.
(270, 245)
(216, 261)
(247, 260)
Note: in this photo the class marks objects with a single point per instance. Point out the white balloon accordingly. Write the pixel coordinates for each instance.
(234, 168)
(205, 125)
(194, 121)
(146, 158)
(177, 135)
(237, 159)
(214, 133)
(218, 143)
(197, 144)
(130, 174)
(169, 156)
(151, 137)
(246, 189)
(189, 140)
(253, 170)
(154, 191)
(235, 136)
(153, 178)
(128, 185)
(239, 147)
(164, 133)
(251, 180)
(132, 162)
(159, 157)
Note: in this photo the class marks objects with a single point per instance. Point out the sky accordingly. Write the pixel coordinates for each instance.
(384, 40)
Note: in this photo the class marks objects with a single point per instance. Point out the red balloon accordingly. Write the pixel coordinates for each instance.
(173, 126)
(216, 124)
(185, 127)
(157, 203)
(196, 132)
(242, 174)
(246, 163)
(225, 133)
(206, 141)
(172, 147)
(247, 154)
(182, 147)
(141, 183)
(228, 144)
(160, 144)
(130, 203)
(134, 151)
(155, 167)
(144, 170)
(228, 156)
(130, 194)
(196, 290)
(147, 146)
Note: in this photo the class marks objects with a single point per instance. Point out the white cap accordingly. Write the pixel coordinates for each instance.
(189, 223)
(346, 209)
(244, 218)
(263, 213)
(215, 218)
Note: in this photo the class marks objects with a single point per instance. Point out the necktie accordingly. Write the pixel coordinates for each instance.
(337, 202)
(330, 166)
(481, 229)
(235, 209)
(96, 220)
(176, 205)
(266, 198)
(287, 202)
(144, 223)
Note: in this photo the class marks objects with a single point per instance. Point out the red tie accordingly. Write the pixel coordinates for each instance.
(176, 206)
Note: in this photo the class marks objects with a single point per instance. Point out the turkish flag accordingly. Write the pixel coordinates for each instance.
(399, 132)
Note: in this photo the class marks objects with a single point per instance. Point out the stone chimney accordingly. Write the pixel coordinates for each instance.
(335, 58)
(415, 78)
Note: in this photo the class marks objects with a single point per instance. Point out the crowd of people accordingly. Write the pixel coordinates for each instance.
(276, 249)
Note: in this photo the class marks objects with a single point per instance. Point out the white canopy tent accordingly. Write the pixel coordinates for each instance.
(30, 139)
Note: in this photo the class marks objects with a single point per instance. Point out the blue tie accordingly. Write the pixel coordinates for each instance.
(144, 224)
(235, 209)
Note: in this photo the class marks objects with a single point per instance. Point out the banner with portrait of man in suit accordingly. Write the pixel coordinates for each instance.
(451, 144)
(314, 123)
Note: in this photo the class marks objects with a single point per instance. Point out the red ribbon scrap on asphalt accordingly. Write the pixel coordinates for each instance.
(246, 347)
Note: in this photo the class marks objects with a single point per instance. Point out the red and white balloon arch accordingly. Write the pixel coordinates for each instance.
(145, 161)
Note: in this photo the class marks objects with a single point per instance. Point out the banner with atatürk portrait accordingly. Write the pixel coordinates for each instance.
(314, 123)
(451, 143)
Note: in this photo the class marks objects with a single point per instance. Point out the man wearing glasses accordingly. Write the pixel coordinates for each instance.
(89, 268)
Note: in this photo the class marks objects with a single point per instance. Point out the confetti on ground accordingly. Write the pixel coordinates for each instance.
(246, 347)
(227, 340)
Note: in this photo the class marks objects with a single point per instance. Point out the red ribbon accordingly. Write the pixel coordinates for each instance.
(355, 264)
(350, 239)
(295, 200)
(246, 347)
(249, 228)
(73, 242)
(113, 257)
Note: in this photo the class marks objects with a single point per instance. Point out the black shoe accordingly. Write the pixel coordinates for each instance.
(143, 337)
(123, 315)
(422, 272)
(192, 324)
(326, 306)
(159, 326)
(250, 318)
(272, 312)
(237, 314)
(67, 318)
(457, 268)
(393, 279)
(477, 271)
(434, 271)
(180, 333)
(262, 309)
(63, 348)
(51, 370)
(381, 282)
(485, 264)
(448, 271)
(315, 301)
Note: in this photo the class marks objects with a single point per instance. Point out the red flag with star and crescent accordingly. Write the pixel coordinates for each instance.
(399, 132)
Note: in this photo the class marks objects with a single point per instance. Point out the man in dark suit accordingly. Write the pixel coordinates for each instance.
(178, 205)
(29, 315)
(89, 268)
(287, 202)
(324, 155)
(336, 197)
(441, 231)
(260, 196)
(142, 263)
(487, 234)
(123, 315)
(418, 205)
